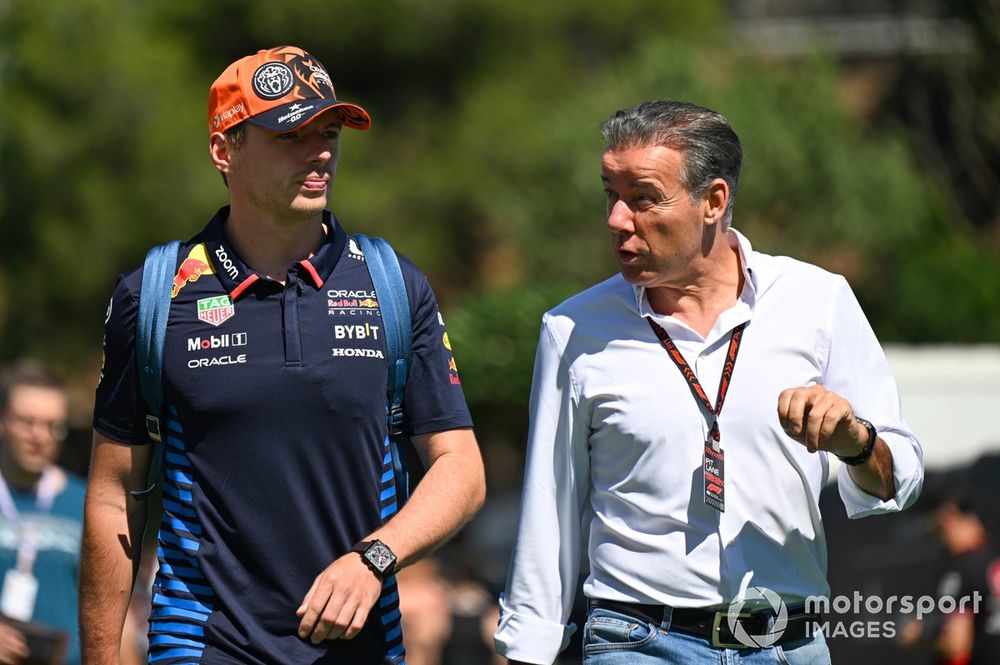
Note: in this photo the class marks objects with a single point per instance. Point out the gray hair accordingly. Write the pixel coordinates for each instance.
(710, 147)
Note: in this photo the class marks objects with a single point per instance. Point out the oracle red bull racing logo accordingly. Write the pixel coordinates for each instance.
(343, 302)
(194, 266)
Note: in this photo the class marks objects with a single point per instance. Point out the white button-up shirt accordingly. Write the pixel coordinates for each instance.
(614, 462)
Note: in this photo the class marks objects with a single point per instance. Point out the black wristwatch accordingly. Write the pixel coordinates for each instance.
(866, 452)
(378, 556)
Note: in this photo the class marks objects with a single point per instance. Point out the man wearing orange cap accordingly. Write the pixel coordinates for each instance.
(275, 543)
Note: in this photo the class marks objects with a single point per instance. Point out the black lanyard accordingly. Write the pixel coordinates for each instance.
(713, 462)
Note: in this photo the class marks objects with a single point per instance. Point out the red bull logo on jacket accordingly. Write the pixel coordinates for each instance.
(194, 266)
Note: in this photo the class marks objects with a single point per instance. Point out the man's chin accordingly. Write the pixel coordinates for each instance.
(307, 206)
(34, 464)
(634, 275)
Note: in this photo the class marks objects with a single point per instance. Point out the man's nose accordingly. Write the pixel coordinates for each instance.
(620, 217)
(321, 150)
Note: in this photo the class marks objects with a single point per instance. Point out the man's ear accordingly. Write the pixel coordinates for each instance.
(220, 151)
(716, 199)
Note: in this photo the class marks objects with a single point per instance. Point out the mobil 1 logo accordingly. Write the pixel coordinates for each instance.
(216, 341)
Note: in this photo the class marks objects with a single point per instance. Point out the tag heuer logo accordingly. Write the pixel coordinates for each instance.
(215, 310)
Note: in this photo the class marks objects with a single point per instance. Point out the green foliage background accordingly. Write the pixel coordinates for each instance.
(482, 164)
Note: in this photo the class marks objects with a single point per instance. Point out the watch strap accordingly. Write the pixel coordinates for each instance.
(866, 452)
(362, 546)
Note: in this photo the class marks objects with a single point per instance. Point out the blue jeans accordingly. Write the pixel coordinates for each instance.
(613, 638)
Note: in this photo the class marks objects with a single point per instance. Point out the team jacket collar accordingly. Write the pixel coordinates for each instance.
(237, 277)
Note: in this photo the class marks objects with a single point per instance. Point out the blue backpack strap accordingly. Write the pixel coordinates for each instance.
(390, 291)
(150, 334)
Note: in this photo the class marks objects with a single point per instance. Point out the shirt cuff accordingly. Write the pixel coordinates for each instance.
(907, 474)
(529, 639)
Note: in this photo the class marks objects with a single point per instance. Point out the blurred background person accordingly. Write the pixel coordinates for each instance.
(969, 635)
(41, 512)
(135, 638)
(424, 602)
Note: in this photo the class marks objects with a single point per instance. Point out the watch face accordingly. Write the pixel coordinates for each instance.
(380, 556)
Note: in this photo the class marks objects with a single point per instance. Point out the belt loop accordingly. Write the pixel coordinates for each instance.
(668, 615)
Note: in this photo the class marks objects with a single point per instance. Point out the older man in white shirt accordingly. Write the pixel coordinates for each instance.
(682, 417)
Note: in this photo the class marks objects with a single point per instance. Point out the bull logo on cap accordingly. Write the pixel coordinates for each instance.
(311, 75)
(272, 80)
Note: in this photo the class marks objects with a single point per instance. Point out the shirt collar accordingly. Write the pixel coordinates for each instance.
(237, 277)
(748, 297)
(751, 275)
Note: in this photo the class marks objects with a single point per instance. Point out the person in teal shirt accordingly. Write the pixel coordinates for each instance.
(41, 516)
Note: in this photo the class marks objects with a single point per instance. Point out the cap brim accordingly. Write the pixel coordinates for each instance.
(287, 117)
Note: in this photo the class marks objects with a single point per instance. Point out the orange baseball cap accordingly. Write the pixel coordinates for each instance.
(279, 89)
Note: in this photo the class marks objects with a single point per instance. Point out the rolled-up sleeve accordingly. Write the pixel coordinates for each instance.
(857, 369)
(545, 563)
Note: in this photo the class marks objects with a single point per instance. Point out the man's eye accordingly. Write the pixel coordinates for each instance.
(288, 136)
